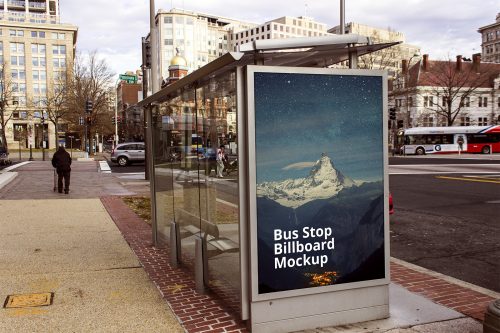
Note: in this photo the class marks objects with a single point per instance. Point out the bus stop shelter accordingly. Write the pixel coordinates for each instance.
(291, 225)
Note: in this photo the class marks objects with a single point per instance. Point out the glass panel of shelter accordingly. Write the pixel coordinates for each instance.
(189, 131)
(217, 98)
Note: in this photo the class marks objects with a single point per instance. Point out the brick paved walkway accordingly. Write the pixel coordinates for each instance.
(464, 300)
(196, 312)
(210, 313)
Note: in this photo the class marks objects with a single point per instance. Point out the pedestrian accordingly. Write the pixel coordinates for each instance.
(221, 156)
(62, 162)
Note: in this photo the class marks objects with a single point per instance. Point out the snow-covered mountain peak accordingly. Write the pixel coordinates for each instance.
(323, 181)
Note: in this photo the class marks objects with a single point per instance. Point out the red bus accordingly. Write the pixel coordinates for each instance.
(442, 140)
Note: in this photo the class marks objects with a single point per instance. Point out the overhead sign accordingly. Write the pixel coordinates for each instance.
(320, 213)
(128, 78)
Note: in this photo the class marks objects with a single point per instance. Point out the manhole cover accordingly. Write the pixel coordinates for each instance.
(28, 300)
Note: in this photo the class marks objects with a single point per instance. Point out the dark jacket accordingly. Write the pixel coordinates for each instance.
(61, 160)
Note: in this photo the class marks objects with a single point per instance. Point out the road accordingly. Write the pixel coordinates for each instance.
(448, 216)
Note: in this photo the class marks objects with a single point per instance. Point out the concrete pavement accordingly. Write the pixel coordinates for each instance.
(73, 249)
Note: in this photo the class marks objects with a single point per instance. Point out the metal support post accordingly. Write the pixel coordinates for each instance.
(175, 245)
(353, 59)
(149, 147)
(200, 265)
(31, 153)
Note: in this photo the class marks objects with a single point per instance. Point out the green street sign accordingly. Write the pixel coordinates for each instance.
(128, 78)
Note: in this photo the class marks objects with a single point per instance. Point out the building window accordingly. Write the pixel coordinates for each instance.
(167, 20)
(169, 42)
(464, 121)
(17, 60)
(38, 49)
(482, 101)
(58, 35)
(426, 101)
(16, 33)
(17, 48)
(498, 102)
(58, 49)
(38, 61)
(431, 100)
(482, 121)
(465, 102)
(39, 75)
(443, 102)
(18, 74)
(410, 101)
(59, 62)
(428, 121)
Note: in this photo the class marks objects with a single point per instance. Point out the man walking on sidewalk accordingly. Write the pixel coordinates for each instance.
(62, 162)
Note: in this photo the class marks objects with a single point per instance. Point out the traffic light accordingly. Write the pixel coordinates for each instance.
(89, 106)
(113, 120)
(392, 113)
(89, 120)
(146, 53)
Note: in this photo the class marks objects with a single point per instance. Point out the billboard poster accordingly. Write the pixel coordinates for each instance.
(319, 179)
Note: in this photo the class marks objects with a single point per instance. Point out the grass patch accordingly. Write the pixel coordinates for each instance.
(141, 206)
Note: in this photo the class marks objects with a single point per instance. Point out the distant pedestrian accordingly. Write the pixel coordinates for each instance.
(62, 162)
(221, 157)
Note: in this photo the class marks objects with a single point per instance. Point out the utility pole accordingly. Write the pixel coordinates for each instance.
(342, 17)
(148, 112)
(155, 84)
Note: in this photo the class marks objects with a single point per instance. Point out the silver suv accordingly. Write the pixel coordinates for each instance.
(128, 152)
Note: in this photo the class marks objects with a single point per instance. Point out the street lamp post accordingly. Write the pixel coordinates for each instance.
(71, 144)
(42, 121)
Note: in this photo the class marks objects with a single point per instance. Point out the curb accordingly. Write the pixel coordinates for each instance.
(104, 167)
(6, 178)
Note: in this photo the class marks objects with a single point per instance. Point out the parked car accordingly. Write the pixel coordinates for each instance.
(128, 152)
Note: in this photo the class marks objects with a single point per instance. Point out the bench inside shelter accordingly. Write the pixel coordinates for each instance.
(190, 225)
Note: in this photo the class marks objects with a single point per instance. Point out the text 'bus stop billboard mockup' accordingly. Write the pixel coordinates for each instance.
(318, 187)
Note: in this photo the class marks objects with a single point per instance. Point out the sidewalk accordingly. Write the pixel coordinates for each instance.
(69, 245)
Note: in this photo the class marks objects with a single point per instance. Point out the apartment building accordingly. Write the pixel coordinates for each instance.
(283, 27)
(199, 38)
(491, 41)
(35, 52)
(389, 59)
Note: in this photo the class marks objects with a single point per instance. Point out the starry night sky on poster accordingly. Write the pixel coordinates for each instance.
(300, 116)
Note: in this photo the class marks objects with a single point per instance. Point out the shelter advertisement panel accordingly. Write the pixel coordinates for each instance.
(318, 184)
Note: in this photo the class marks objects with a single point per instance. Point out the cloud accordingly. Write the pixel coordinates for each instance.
(299, 166)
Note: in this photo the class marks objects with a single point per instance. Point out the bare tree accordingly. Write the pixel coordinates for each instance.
(6, 112)
(91, 81)
(56, 101)
(382, 59)
(453, 85)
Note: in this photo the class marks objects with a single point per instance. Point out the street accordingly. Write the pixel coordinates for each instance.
(447, 216)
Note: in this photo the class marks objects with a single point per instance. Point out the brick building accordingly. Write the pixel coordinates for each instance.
(446, 93)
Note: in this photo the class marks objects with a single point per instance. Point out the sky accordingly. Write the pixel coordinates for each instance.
(442, 28)
(339, 115)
